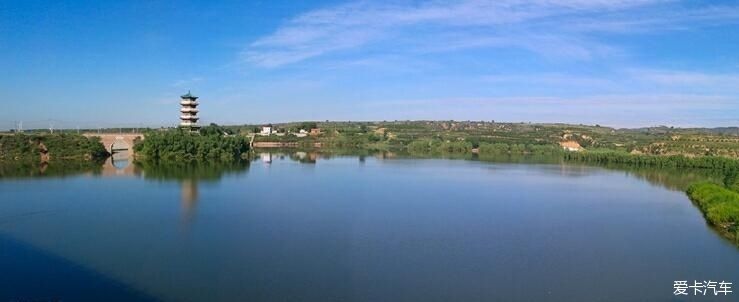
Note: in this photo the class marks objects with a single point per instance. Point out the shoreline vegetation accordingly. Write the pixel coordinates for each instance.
(212, 143)
(720, 206)
(48, 147)
(37, 154)
(715, 150)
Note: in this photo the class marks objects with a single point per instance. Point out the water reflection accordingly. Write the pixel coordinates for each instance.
(121, 164)
(266, 158)
(313, 156)
(671, 178)
(28, 169)
(190, 175)
(120, 159)
(447, 230)
(188, 199)
(180, 171)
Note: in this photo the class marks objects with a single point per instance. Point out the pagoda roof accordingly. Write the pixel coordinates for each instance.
(188, 96)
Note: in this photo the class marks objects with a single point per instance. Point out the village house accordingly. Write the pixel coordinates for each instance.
(266, 130)
(301, 133)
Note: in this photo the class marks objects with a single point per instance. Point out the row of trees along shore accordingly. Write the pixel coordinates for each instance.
(213, 142)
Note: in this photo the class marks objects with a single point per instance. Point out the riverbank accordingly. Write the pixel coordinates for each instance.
(719, 205)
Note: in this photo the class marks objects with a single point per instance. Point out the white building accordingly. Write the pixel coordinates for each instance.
(301, 133)
(266, 130)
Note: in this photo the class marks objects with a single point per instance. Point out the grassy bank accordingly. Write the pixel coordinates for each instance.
(719, 204)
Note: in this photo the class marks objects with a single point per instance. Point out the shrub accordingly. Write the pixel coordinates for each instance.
(58, 146)
(184, 146)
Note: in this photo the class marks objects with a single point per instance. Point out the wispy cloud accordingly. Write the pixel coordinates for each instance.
(682, 77)
(644, 100)
(187, 82)
(539, 60)
(668, 77)
(559, 28)
(656, 20)
(559, 79)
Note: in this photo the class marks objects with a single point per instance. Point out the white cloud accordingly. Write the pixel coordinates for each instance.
(574, 55)
(643, 100)
(684, 80)
(630, 80)
(548, 27)
(559, 79)
(657, 20)
(682, 77)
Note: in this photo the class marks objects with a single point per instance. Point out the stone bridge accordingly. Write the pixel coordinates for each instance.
(117, 142)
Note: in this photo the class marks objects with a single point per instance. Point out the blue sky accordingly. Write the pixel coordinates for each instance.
(623, 63)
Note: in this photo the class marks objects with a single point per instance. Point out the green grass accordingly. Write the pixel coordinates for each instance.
(719, 204)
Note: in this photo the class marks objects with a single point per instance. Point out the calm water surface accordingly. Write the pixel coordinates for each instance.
(302, 228)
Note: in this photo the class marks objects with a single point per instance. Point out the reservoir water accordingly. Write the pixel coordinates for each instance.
(303, 227)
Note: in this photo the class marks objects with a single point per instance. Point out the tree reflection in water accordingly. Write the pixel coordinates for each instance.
(59, 168)
(193, 172)
(189, 175)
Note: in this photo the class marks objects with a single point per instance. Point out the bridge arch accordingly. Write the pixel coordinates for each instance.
(120, 144)
(113, 142)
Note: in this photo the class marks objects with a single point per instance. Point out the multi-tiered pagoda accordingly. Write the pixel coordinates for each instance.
(189, 112)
